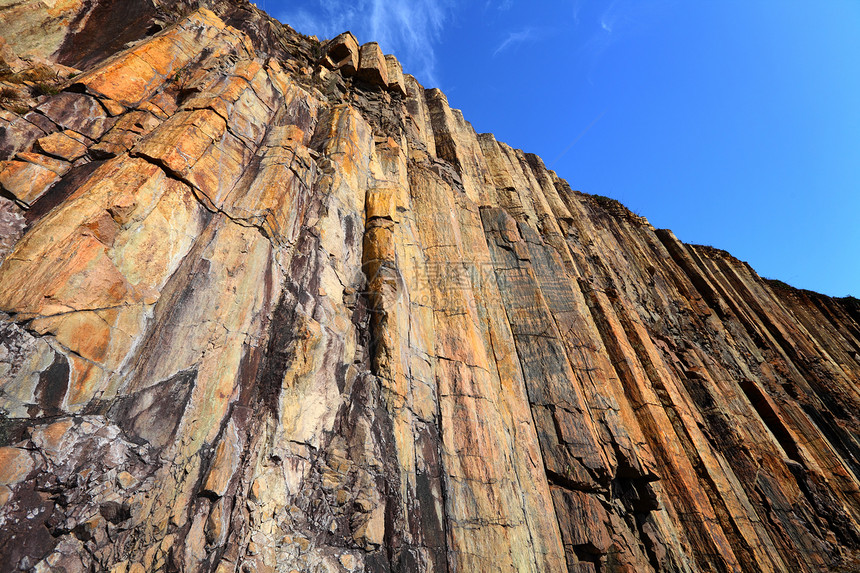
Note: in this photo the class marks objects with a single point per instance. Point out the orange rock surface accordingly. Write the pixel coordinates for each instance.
(268, 304)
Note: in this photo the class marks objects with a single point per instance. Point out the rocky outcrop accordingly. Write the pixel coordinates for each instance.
(270, 305)
(341, 53)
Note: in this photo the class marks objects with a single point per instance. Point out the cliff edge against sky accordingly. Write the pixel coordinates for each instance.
(270, 305)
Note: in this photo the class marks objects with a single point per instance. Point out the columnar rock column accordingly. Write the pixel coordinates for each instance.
(267, 304)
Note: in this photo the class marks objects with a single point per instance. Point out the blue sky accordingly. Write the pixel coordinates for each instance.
(735, 124)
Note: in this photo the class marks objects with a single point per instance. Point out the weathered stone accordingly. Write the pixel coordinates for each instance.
(27, 181)
(348, 561)
(19, 133)
(126, 480)
(342, 53)
(419, 118)
(224, 464)
(49, 438)
(269, 319)
(372, 530)
(19, 19)
(140, 72)
(66, 145)
(372, 66)
(78, 112)
(112, 107)
(15, 464)
(395, 75)
(130, 128)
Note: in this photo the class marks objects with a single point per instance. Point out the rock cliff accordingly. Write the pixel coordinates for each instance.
(270, 305)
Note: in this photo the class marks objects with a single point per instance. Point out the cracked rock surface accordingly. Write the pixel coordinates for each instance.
(267, 304)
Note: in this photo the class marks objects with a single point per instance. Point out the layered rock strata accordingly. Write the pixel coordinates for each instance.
(270, 305)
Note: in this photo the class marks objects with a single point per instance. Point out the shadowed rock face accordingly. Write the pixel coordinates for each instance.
(269, 305)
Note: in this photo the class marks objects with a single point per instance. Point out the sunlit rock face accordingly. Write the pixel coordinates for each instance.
(270, 305)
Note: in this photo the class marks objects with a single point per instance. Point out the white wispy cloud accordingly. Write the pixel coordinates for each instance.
(609, 17)
(513, 39)
(409, 29)
(601, 26)
(501, 5)
(620, 20)
(633, 17)
(576, 7)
